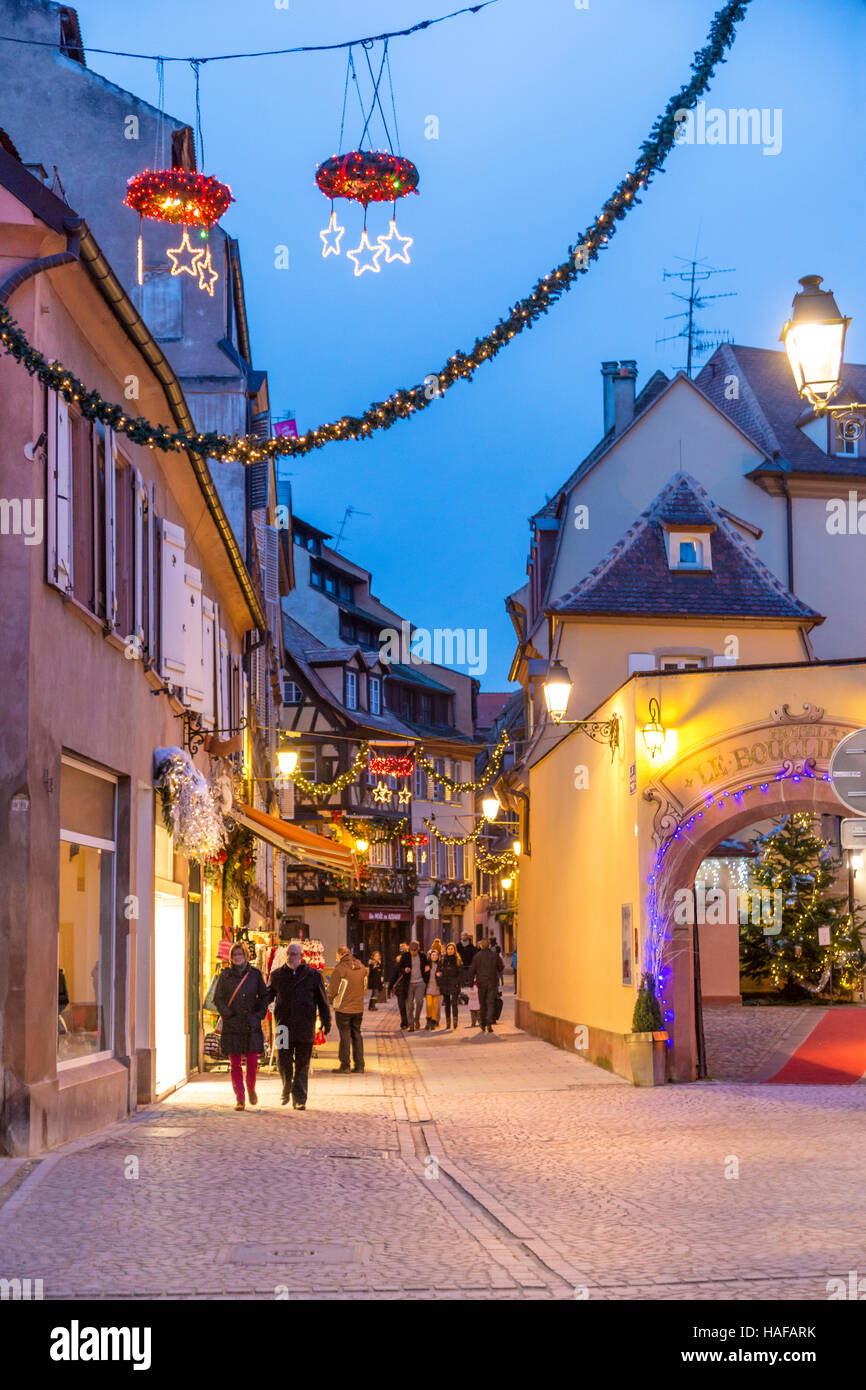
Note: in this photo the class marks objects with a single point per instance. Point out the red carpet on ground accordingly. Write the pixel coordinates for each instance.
(834, 1054)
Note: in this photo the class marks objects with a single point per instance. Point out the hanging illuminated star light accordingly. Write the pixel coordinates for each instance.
(404, 796)
(175, 254)
(331, 236)
(381, 792)
(207, 276)
(395, 239)
(365, 256)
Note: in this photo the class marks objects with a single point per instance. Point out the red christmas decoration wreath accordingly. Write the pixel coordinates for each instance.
(367, 176)
(174, 195)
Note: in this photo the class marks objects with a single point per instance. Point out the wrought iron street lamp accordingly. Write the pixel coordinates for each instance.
(814, 338)
(490, 805)
(557, 690)
(654, 732)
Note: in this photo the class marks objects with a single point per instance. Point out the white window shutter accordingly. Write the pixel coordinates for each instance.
(192, 638)
(225, 720)
(641, 661)
(58, 502)
(208, 654)
(172, 605)
(139, 568)
(110, 532)
(724, 661)
(150, 575)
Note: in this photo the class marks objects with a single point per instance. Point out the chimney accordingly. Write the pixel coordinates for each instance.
(608, 372)
(623, 395)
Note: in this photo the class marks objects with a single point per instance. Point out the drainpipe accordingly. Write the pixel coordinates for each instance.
(31, 268)
(789, 529)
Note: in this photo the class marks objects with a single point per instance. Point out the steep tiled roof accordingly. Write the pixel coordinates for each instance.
(635, 578)
(767, 406)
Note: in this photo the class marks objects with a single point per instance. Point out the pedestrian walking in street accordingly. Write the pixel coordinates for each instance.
(432, 992)
(449, 977)
(474, 1006)
(410, 968)
(466, 950)
(346, 993)
(375, 978)
(514, 967)
(399, 984)
(241, 998)
(299, 992)
(486, 968)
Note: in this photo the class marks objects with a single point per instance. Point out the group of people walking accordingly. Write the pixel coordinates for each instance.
(458, 972)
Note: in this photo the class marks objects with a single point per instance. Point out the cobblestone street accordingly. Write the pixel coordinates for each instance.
(458, 1165)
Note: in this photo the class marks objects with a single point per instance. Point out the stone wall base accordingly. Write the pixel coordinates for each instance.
(604, 1049)
(81, 1100)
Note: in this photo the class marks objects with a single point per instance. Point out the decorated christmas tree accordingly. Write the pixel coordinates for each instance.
(803, 935)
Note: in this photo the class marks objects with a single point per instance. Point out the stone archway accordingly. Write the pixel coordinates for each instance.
(692, 843)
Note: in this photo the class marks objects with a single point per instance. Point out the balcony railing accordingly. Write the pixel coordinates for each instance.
(377, 884)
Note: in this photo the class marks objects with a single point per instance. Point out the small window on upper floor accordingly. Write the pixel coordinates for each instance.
(681, 663)
(844, 443)
(690, 553)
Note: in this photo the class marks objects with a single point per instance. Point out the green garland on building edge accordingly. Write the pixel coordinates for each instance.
(404, 402)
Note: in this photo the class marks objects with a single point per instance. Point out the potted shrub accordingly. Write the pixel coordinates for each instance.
(647, 1041)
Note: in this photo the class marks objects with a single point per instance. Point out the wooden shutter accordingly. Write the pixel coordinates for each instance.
(192, 638)
(172, 607)
(58, 500)
(226, 720)
(110, 533)
(151, 578)
(124, 530)
(139, 566)
(208, 656)
(82, 510)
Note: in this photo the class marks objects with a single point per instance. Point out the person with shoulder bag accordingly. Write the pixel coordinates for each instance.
(449, 975)
(241, 999)
(346, 993)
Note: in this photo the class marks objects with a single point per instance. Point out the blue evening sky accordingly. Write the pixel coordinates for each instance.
(541, 108)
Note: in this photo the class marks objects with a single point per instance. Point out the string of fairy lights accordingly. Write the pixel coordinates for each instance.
(461, 366)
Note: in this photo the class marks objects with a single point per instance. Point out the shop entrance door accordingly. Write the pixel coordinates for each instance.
(169, 989)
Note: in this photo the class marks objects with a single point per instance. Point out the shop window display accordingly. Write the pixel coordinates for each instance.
(86, 915)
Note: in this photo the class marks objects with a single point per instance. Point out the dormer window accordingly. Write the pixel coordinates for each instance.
(691, 554)
(687, 549)
(844, 443)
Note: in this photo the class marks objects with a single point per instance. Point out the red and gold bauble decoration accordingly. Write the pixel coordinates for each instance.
(191, 200)
(367, 176)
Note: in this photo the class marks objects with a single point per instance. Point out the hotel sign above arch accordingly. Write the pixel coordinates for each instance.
(795, 746)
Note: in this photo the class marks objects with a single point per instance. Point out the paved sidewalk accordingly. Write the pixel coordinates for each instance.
(456, 1166)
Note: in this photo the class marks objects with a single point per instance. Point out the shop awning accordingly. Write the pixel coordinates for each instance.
(301, 845)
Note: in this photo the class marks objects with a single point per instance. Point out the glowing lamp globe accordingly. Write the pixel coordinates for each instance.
(490, 806)
(506, 882)
(557, 690)
(287, 761)
(361, 846)
(814, 339)
(654, 732)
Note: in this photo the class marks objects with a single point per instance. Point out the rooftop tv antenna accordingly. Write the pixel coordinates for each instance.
(694, 274)
(350, 511)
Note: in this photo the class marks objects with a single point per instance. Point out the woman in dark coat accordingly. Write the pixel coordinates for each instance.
(375, 978)
(241, 996)
(449, 975)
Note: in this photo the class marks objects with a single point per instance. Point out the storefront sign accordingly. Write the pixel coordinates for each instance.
(384, 914)
(756, 753)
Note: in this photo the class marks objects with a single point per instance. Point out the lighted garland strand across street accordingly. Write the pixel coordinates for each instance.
(404, 402)
(317, 790)
(492, 863)
(422, 761)
(458, 839)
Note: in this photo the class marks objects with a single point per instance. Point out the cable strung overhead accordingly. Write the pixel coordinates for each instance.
(267, 52)
(406, 401)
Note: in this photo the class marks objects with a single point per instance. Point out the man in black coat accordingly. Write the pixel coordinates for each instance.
(485, 968)
(409, 975)
(466, 950)
(400, 985)
(300, 994)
